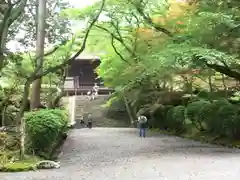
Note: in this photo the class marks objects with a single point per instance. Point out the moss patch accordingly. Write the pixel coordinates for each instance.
(26, 165)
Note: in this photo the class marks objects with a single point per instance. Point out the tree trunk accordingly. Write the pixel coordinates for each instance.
(128, 110)
(10, 12)
(224, 85)
(3, 115)
(36, 85)
(210, 80)
(21, 119)
(50, 93)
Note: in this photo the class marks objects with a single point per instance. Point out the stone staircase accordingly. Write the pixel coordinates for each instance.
(98, 111)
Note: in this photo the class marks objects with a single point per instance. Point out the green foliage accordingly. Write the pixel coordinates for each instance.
(158, 119)
(57, 26)
(235, 98)
(9, 141)
(208, 114)
(19, 166)
(193, 110)
(229, 121)
(44, 128)
(61, 113)
(179, 114)
(178, 117)
(169, 115)
(115, 108)
(205, 114)
(219, 117)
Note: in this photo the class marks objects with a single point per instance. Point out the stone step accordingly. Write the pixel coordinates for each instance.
(84, 106)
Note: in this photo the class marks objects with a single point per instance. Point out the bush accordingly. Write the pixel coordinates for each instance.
(205, 115)
(9, 141)
(62, 114)
(157, 117)
(178, 118)
(44, 128)
(229, 122)
(193, 110)
(208, 114)
(169, 118)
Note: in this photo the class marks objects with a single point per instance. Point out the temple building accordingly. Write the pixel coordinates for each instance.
(81, 76)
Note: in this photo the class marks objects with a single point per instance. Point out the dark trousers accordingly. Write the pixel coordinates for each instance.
(89, 125)
(142, 132)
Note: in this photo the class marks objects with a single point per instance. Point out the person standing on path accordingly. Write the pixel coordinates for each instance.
(89, 124)
(142, 121)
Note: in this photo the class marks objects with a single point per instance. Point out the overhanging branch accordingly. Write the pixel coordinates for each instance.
(53, 50)
(116, 51)
(82, 48)
(149, 21)
(225, 70)
(119, 39)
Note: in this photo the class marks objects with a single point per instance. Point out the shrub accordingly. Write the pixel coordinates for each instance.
(209, 114)
(157, 120)
(205, 115)
(228, 124)
(193, 110)
(3, 138)
(9, 141)
(178, 118)
(62, 114)
(169, 118)
(44, 127)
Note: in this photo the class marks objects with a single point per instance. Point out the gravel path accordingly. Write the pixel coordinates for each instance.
(119, 154)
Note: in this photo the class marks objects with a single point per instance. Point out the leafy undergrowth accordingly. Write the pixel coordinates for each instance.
(28, 164)
(204, 137)
(9, 155)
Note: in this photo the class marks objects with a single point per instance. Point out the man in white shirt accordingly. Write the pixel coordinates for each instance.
(89, 95)
(95, 90)
(142, 121)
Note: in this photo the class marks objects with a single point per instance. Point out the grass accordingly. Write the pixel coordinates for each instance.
(204, 137)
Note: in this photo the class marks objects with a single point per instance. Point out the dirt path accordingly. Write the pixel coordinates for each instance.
(119, 154)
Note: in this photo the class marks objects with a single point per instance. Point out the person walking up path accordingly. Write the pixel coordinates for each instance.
(95, 90)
